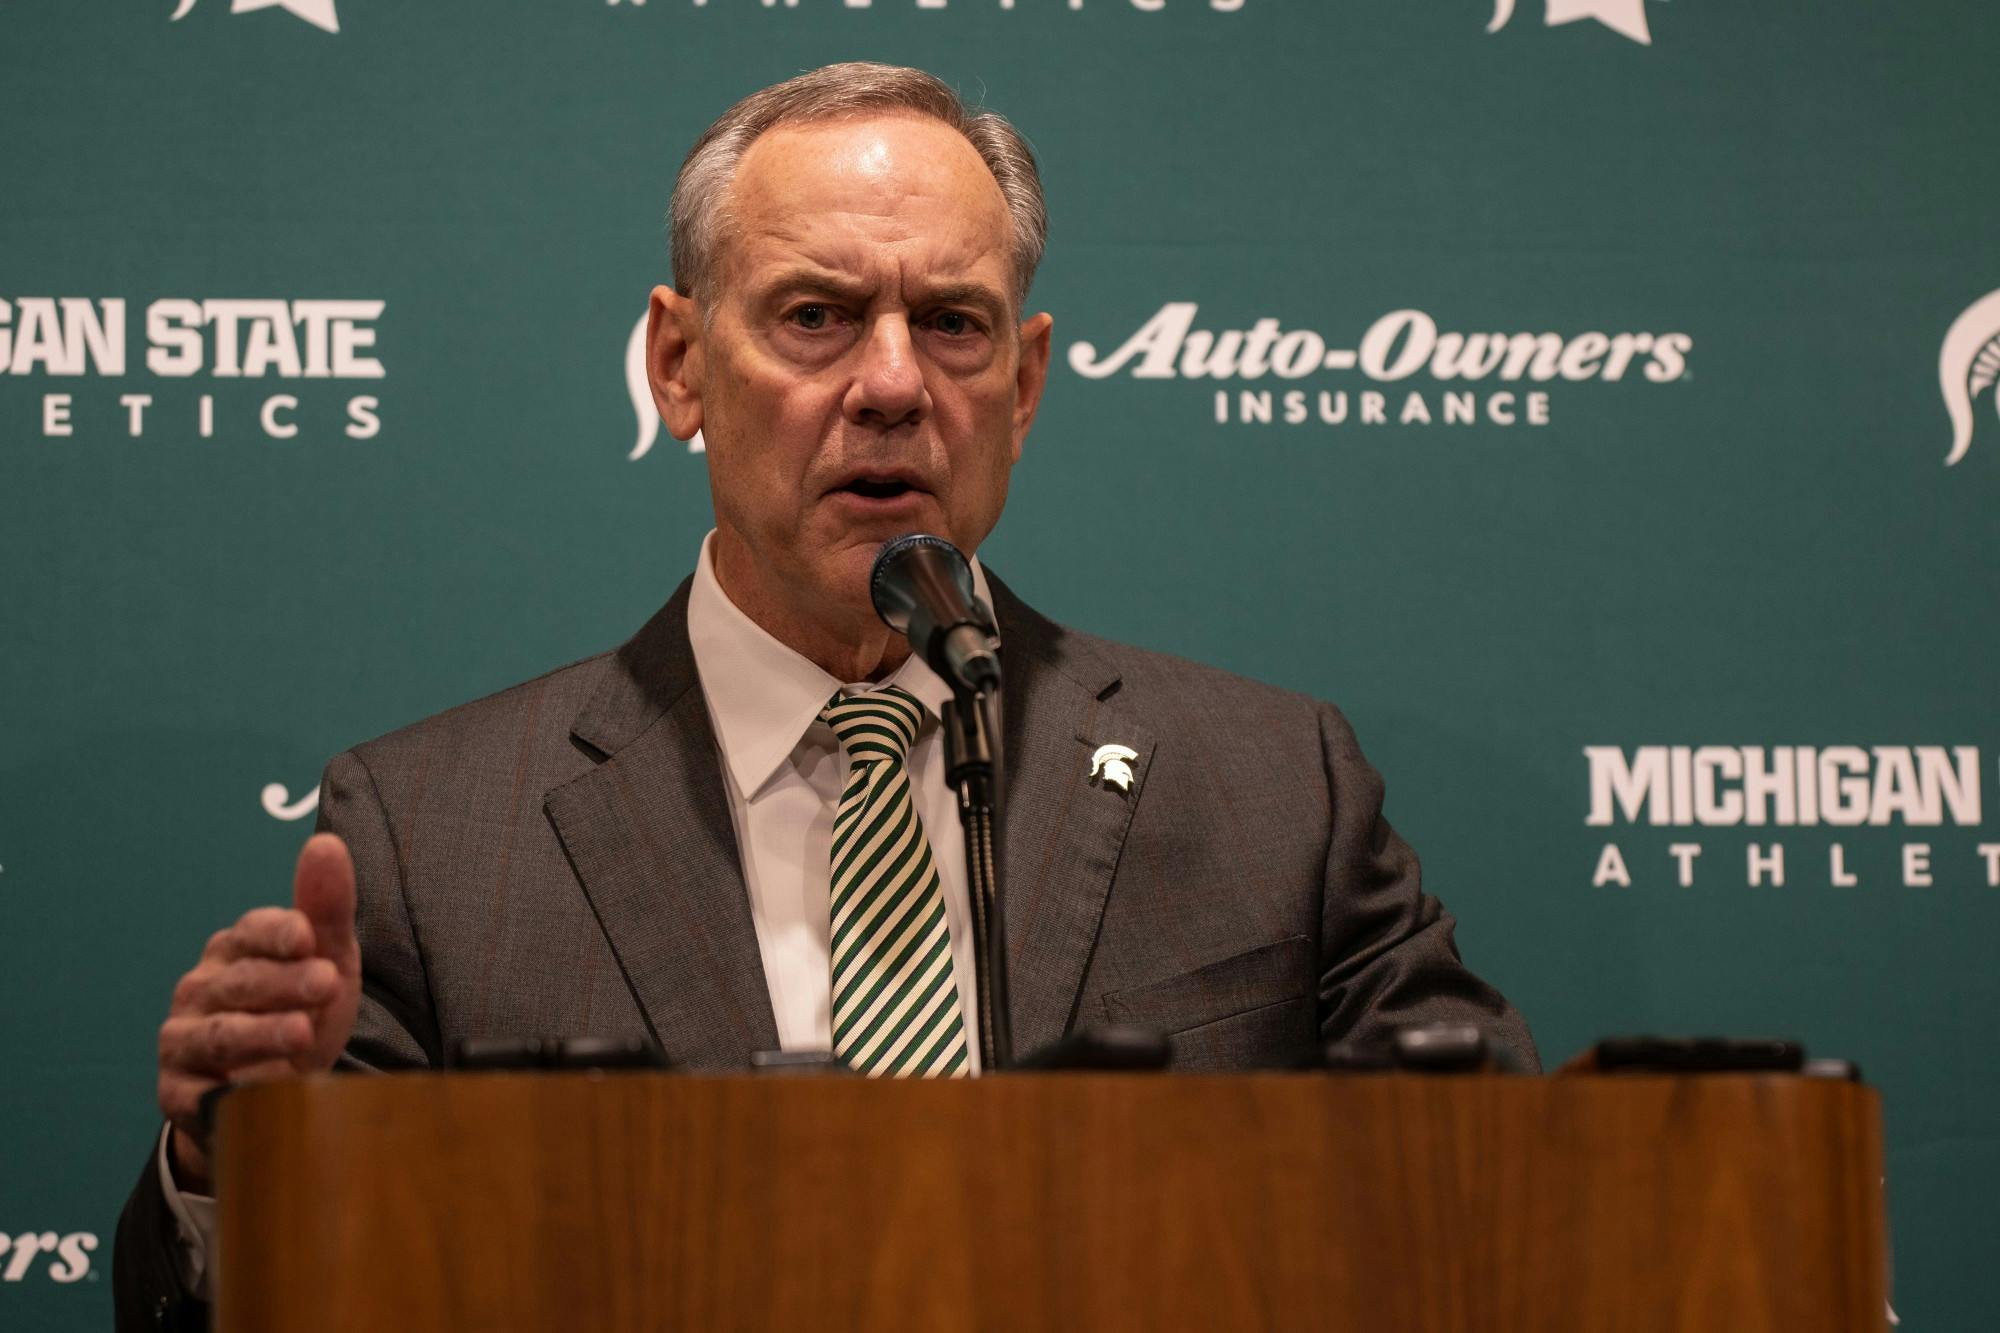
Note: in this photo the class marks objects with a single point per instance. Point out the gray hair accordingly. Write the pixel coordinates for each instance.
(697, 217)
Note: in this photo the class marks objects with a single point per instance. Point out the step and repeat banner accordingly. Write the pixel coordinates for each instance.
(1595, 398)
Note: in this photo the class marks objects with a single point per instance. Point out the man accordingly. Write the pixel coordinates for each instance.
(734, 834)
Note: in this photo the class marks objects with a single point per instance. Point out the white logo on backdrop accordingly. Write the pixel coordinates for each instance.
(65, 1258)
(1626, 17)
(1850, 789)
(641, 391)
(1969, 366)
(208, 345)
(278, 803)
(319, 13)
(1430, 375)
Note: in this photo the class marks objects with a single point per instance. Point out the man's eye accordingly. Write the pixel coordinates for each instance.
(811, 317)
(954, 325)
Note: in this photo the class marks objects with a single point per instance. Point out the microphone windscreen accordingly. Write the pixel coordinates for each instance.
(892, 582)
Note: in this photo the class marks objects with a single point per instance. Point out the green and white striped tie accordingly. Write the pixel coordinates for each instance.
(895, 1000)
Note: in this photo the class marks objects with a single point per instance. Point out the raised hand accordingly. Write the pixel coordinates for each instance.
(274, 994)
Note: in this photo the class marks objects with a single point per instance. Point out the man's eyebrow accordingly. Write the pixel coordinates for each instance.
(813, 281)
(967, 293)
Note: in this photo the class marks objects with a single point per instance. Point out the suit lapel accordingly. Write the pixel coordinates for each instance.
(1062, 833)
(648, 833)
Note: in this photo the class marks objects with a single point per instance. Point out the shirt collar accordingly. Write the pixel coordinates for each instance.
(762, 695)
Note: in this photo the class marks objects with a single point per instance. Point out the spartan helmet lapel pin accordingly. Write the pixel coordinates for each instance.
(1112, 766)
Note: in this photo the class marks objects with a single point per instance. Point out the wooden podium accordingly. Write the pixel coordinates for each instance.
(1398, 1204)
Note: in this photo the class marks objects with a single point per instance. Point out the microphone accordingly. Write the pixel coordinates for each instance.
(922, 587)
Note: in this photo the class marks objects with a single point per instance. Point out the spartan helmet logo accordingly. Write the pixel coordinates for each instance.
(277, 801)
(1112, 764)
(1968, 367)
(319, 13)
(640, 389)
(1625, 17)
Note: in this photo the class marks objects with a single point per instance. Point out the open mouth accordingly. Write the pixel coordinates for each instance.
(870, 488)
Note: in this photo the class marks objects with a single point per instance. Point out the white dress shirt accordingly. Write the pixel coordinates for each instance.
(783, 770)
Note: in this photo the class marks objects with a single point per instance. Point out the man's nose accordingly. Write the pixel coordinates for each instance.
(888, 388)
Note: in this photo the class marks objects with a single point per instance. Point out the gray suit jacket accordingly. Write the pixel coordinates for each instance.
(558, 860)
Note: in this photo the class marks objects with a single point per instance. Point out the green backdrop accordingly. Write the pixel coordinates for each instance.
(1775, 221)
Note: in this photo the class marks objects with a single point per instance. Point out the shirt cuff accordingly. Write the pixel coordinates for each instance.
(194, 1220)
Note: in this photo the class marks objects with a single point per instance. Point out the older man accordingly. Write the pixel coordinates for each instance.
(688, 839)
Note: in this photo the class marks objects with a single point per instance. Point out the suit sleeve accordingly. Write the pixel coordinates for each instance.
(147, 1292)
(397, 1025)
(1387, 956)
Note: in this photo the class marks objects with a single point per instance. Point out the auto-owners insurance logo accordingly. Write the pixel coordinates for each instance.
(1427, 375)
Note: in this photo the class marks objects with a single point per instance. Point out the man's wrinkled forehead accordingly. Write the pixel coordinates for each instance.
(867, 193)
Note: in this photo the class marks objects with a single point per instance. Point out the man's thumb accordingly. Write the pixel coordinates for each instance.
(323, 889)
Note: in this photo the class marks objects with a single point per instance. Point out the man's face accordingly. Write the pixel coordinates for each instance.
(860, 373)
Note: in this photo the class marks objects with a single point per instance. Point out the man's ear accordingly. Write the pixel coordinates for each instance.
(1030, 375)
(674, 360)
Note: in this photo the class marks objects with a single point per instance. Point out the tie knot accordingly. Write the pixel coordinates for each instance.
(877, 725)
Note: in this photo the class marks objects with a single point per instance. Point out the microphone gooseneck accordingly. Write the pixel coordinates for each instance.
(922, 588)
